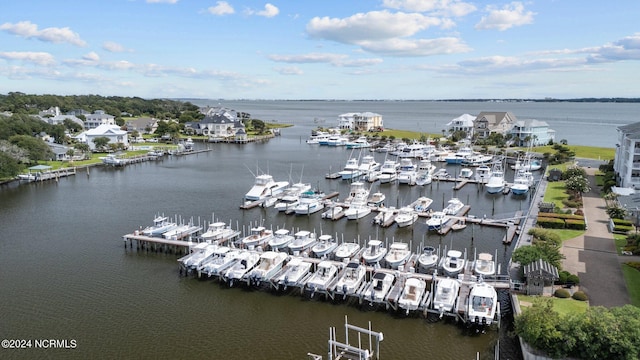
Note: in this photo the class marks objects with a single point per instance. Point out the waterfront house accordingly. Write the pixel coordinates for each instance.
(112, 132)
(627, 158)
(463, 122)
(488, 122)
(54, 116)
(143, 125)
(366, 121)
(345, 121)
(99, 117)
(531, 133)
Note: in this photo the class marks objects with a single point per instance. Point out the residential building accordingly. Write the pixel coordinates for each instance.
(531, 133)
(142, 124)
(99, 117)
(368, 121)
(345, 121)
(463, 122)
(488, 122)
(627, 158)
(113, 132)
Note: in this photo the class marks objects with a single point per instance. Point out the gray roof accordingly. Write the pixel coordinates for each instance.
(631, 130)
(541, 268)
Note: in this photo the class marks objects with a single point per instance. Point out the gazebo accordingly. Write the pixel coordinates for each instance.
(538, 275)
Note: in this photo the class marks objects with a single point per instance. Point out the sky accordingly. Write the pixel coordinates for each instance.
(328, 49)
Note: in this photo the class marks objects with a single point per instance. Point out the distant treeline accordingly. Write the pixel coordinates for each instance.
(587, 100)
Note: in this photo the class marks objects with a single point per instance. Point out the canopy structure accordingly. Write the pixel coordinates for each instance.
(40, 168)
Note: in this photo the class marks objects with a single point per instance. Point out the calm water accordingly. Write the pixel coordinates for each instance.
(65, 274)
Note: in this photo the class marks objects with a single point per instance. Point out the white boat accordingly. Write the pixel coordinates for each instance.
(325, 246)
(303, 240)
(496, 182)
(280, 240)
(522, 181)
(437, 220)
(484, 265)
(270, 263)
(529, 164)
(310, 202)
(385, 148)
(374, 252)
(413, 150)
(188, 144)
(259, 236)
(221, 259)
(351, 170)
(337, 140)
(324, 274)
(359, 143)
(459, 156)
(219, 232)
(334, 212)
(376, 199)
(385, 216)
(453, 263)
(264, 187)
(465, 173)
(388, 171)
(408, 172)
(291, 196)
(199, 253)
(453, 206)
(425, 172)
(446, 294)
(346, 250)
(441, 174)
(428, 259)
(315, 136)
(358, 208)
(161, 224)
(399, 253)
(246, 261)
(368, 163)
(412, 293)
(323, 139)
(422, 204)
(377, 290)
(295, 271)
(351, 279)
(177, 232)
(478, 160)
(483, 302)
(406, 216)
(483, 173)
(113, 160)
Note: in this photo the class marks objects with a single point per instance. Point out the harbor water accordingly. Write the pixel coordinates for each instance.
(65, 273)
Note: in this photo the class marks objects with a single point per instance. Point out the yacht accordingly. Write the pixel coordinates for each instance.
(221, 259)
(408, 172)
(315, 137)
(295, 271)
(374, 252)
(291, 196)
(246, 261)
(484, 265)
(346, 250)
(446, 294)
(258, 236)
(324, 274)
(413, 150)
(334, 212)
(352, 278)
(310, 202)
(437, 220)
(270, 263)
(337, 140)
(428, 259)
(351, 170)
(303, 240)
(522, 181)
(358, 208)
(368, 163)
(477, 160)
(483, 303)
(483, 173)
(406, 216)
(453, 206)
(399, 253)
(265, 187)
(412, 293)
(388, 171)
(453, 263)
(376, 291)
(495, 184)
(219, 232)
(359, 143)
(385, 216)
(422, 204)
(280, 240)
(459, 156)
(376, 199)
(425, 172)
(465, 173)
(325, 246)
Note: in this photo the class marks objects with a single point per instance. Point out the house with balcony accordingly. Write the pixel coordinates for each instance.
(99, 117)
(627, 158)
(112, 132)
(531, 133)
(366, 121)
(463, 122)
(488, 122)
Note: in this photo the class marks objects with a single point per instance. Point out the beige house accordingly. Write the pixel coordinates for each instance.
(488, 122)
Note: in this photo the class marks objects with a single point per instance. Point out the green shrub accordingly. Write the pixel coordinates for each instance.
(550, 223)
(623, 229)
(573, 279)
(579, 212)
(562, 293)
(580, 296)
(622, 222)
(571, 203)
(575, 224)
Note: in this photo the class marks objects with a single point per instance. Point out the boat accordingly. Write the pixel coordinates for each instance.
(246, 261)
(437, 220)
(351, 279)
(422, 204)
(413, 150)
(459, 156)
(265, 187)
(161, 224)
(522, 181)
(113, 160)
(302, 240)
(406, 216)
(425, 172)
(374, 252)
(291, 196)
(177, 232)
(385, 148)
(337, 140)
(477, 160)
(346, 250)
(315, 136)
(219, 232)
(310, 202)
(388, 171)
(408, 172)
(446, 294)
(351, 170)
(483, 303)
(465, 173)
(358, 208)
(258, 236)
(376, 291)
(459, 225)
(359, 143)
(221, 259)
(188, 144)
(333, 213)
(441, 174)
(454, 205)
(385, 216)
(199, 253)
(294, 273)
(399, 253)
(412, 293)
(428, 259)
(324, 274)
(270, 263)
(280, 239)
(484, 265)
(495, 183)
(376, 199)
(529, 164)
(325, 246)
(453, 263)
(483, 173)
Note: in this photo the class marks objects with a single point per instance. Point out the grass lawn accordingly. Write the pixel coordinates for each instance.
(562, 306)
(632, 278)
(566, 234)
(587, 152)
(555, 193)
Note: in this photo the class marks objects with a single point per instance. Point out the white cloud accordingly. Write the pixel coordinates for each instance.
(308, 58)
(28, 30)
(269, 11)
(162, 1)
(420, 47)
(113, 47)
(289, 70)
(628, 48)
(221, 8)
(510, 15)
(442, 7)
(39, 58)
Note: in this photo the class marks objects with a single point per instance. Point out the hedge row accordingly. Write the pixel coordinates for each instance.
(563, 216)
(557, 223)
(622, 222)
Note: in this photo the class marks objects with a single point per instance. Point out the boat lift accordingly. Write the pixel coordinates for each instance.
(344, 350)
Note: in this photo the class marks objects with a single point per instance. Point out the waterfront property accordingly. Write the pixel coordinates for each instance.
(627, 158)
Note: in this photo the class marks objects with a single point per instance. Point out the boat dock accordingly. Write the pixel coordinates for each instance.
(41, 173)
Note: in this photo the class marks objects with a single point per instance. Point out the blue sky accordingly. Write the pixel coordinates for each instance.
(304, 49)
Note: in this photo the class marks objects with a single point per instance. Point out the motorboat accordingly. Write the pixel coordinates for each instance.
(385, 216)
(161, 225)
(294, 273)
(522, 181)
(380, 285)
(324, 274)
(428, 259)
(374, 252)
(113, 160)
(465, 173)
(483, 173)
(413, 150)
(483, 303)
(495, 183)
(358, 208)
(484, 265)
(477, 160)
(222, 258)
(219, 232)
(199, 253)
(386, 148)
(246, 261)
(459, 156)
(454, 205)
(310, 202)
(412, 293)
(280, 239)
(333, 212)
(351, 170)
(406, 216)
(188, 144)
(303, 240)
(258, 236)
(264, 187)
(437, 220)
(291, 196)
(441, 174)
(446, 294)
(315, 136)
(346, 250)
(337, 140)
(177, 232)
(270, 263)
(351, 279)
(408, 172)
(422, 204)
(388, 171)
(459, 225)
(376, 199)
(324, 246)
(424, 179)
(425, 172)
(399, 253)
(359, 143)
(453, 263)
(529, 164)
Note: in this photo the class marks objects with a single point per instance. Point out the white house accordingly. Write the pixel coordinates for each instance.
(112, 132)
(366, 121)
(463, 122)
(345, 121)
(532, 132)
(627, 159)
(99, 117)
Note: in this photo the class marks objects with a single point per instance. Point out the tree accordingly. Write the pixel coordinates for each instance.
(258, 125)
(35, 147)
(9, 167)
(101, 143)
(577, 185)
